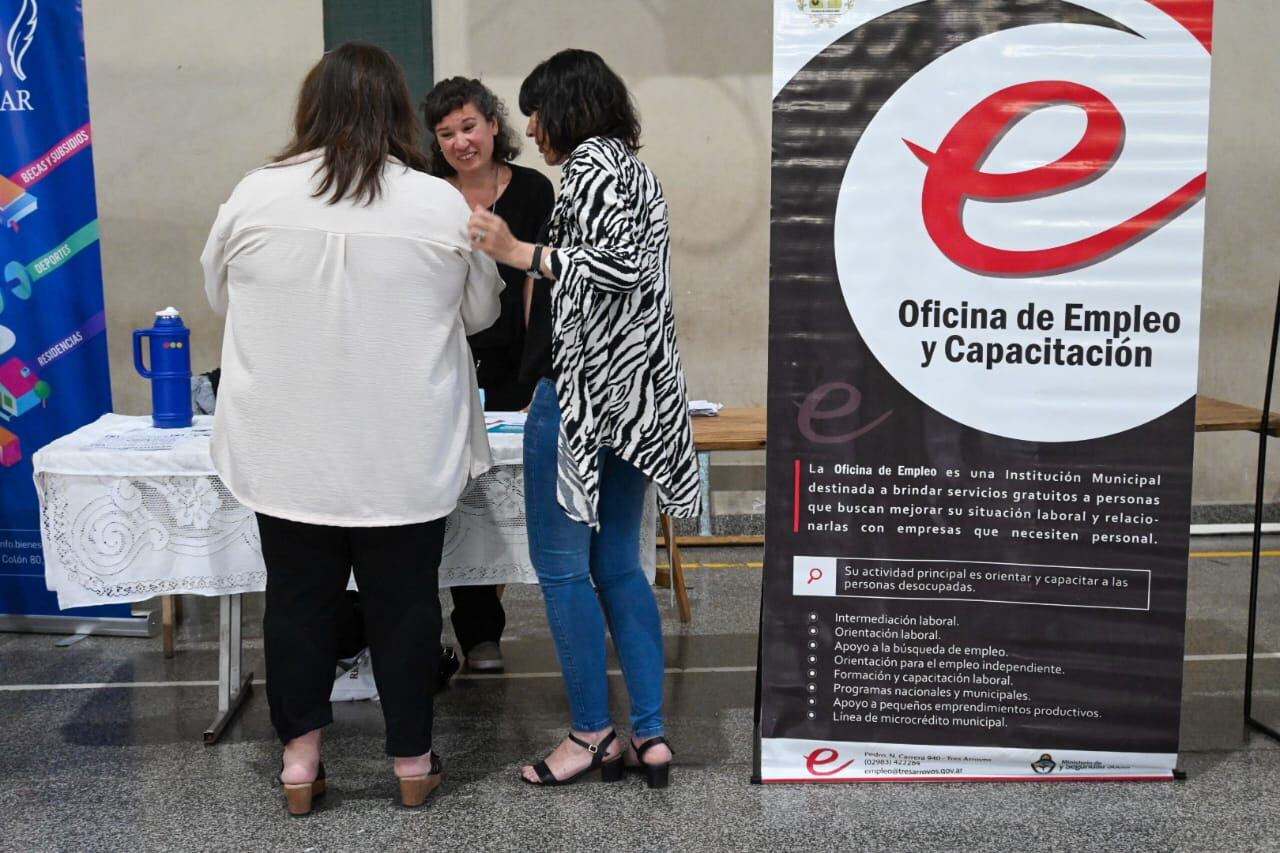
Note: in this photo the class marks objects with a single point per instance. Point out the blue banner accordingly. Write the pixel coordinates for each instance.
(53, 350)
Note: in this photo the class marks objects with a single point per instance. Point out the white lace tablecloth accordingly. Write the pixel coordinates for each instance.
(129, 512)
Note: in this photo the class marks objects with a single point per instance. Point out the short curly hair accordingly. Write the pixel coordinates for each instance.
(454, 94)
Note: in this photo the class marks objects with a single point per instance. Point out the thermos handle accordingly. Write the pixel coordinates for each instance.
(138, 335)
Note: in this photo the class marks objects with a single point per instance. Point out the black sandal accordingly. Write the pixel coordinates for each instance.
(657, 775)
(610, 769)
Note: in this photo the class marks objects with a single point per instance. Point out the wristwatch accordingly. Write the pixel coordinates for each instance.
(535, 268)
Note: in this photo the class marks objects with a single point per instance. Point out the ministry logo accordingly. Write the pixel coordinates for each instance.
(21, 34)
(824, 12)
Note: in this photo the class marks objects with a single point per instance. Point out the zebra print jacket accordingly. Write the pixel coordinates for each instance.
(619, 381)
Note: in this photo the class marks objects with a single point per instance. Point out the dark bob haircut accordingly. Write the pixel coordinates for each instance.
(454, 94)
(355, 105)
(577, 96)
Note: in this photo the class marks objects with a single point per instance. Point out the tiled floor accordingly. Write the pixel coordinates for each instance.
(123, 767)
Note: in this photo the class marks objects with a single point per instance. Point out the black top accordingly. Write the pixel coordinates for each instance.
(498, 350)
(536, 363)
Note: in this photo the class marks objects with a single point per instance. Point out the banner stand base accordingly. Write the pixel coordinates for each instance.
(145, 624)
(1262, 727)
(1255, 568)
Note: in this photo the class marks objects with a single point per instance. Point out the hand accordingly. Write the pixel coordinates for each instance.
(490, 234)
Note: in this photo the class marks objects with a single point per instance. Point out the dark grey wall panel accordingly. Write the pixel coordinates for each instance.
(401, 26)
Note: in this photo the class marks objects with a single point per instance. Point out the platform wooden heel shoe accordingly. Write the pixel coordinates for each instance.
(656, 775)
(414, 790)
(299, 797)
(610, 769)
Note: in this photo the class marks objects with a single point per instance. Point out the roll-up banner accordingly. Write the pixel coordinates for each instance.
(53, 353)
(987, 235)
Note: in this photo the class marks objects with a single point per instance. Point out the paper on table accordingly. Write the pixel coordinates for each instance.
(504, 422)
(146, 439)
(704, 408)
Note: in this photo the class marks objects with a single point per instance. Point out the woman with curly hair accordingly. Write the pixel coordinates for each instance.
(471, 147)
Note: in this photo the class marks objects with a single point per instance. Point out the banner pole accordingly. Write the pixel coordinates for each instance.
(1255, 568)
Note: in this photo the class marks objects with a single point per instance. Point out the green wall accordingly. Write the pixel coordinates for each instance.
(401, 26)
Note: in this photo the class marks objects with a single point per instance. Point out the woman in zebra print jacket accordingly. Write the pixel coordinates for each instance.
(610, 415)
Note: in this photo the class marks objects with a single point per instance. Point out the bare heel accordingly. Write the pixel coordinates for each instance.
(656, 775)
(414, 790)
(298, 798)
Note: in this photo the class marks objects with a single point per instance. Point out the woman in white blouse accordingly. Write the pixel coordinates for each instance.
(348, 415)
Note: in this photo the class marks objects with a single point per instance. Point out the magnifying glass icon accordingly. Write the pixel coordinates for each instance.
(815, 574)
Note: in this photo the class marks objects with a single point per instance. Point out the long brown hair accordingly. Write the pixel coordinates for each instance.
(355, 105)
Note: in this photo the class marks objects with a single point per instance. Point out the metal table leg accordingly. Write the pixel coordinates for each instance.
(704, 485)
(232, 687)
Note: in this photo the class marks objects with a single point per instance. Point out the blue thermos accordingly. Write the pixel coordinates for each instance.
(169, 350)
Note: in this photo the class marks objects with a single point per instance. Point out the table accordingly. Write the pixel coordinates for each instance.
(1214, 415)
(745, 429)
(129, 512)
(730, 429)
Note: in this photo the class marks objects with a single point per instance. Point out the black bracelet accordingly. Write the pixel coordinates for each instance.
(535, 268)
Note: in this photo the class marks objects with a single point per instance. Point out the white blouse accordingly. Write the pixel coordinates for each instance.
(348, 396)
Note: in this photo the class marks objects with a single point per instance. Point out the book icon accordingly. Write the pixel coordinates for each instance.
(15, 203)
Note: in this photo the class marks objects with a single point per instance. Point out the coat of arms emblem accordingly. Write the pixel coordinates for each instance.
(824, 12)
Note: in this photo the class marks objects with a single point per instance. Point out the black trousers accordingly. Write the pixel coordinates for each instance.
(477, 615)
(397, 570)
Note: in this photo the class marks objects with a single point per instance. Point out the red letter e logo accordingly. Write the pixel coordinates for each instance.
(820, 758)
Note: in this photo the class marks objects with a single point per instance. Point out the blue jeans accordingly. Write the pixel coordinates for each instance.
(568, 556)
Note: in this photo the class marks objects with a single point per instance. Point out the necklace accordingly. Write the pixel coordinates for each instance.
(456, 180)
(497, 176)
